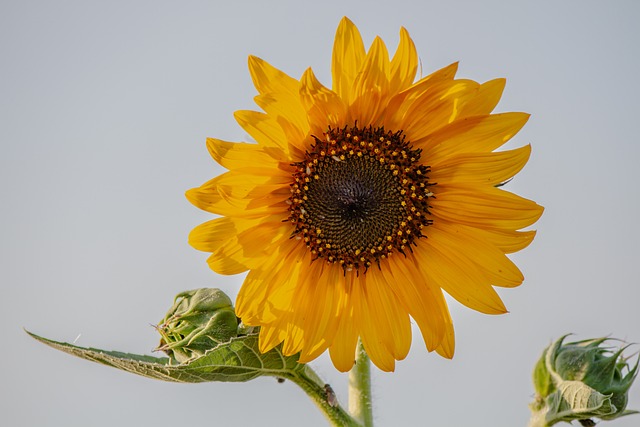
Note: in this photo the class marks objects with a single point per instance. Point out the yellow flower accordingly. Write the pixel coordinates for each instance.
(359, 205)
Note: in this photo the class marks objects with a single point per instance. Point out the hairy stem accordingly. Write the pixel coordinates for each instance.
(322, 395)
(360, 405)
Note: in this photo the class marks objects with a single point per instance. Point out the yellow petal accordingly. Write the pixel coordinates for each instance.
(263, 128)
(323, 315)
(444, 73)
(250, 182)
(348, 55)
(211, 235)
(508, 241)
(207, 197)
(289, 113)
(324, 107)
(268, 79)
(244, 192)
(436, 107)
(480, 168)
(267, 290)
(270, 336)
(228, 260)
(371, 87)
(447, 347)
(485, 207)
(234, 155)
(300, 306)
(472, 134)
(422, 300)
(404, 64)
(343, 348)
(457, 275)
(372, 330)
(253, 182)
(485, 99)
(262, 239)
(495, 265)
(388, 315)
(400, 103)
(249, 248)
(295, 339)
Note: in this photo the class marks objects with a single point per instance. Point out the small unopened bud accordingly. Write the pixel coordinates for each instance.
(198, 321)
(580, 380)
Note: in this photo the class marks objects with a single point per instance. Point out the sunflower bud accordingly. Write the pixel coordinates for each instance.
(198, 321)
(580, 380)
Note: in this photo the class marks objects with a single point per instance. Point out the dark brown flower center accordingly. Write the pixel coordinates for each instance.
(359, 195)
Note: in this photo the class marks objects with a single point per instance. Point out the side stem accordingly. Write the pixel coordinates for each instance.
(322, 395)
(360, 404)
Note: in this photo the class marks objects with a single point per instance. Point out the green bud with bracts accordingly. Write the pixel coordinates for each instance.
(581, 380)
(198, 321)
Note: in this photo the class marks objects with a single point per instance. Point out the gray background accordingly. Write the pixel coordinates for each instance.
(104, 110)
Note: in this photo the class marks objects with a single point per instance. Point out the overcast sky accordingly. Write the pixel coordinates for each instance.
(105, 107)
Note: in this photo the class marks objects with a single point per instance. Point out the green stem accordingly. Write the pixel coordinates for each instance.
(323, 397)
(360, 404)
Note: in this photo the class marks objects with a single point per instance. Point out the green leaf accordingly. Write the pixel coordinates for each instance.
(542, 381)
(238, 360)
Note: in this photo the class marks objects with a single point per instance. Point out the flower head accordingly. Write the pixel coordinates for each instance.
(197, 321)
(580, 380)
(359, 205)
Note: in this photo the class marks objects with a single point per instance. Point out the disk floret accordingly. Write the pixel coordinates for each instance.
(360, 195)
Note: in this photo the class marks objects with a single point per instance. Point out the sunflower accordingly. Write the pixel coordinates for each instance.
(357, 206)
